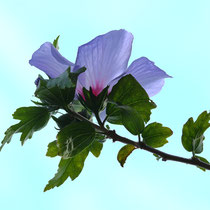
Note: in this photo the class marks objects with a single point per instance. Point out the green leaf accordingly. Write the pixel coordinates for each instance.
(132, 121)
(71, 167)
(77, 106)
(193, 133)
(52, 149)
(63, 120)
(58, 92)
(31, 119)
(107, 127)
(124, 152)
(154, 135)
(157, 157)
(100, 138)
(74, 138)
(55, 42)
(96, 148)
(130, 93)
(203, 160)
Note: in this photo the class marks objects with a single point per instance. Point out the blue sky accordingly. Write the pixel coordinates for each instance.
(173, 34)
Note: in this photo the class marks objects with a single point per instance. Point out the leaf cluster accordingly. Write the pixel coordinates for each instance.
(127, 104)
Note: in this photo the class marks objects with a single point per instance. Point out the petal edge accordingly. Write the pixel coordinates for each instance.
(49, 60)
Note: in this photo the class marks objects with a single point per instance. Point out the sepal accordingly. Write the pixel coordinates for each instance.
(92, 102)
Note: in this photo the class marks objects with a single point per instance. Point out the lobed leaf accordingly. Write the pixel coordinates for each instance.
(193, 133)
(74, 138)
(60, 91)
(155, 135)
(31, 119)
(71, 167)
(128, 92)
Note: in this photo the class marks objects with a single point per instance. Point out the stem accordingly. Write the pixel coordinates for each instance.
(141, 145)
(139, 138)
(105, 120)
(99, 120)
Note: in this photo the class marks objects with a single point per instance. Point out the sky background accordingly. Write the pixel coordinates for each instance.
(175, 35)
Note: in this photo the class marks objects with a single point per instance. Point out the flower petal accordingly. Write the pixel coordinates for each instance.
(48, 59)
(148, 75)
(105, 58)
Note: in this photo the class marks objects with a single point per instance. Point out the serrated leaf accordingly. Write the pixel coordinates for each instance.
(96, 148)
(74, 138)
(193, 133)
(203, 160)
(155, 135)
(124, 152)
(60, 91)
(52, 150)
(55, 42)
(71, 167)
(130, 93)
(31, 119)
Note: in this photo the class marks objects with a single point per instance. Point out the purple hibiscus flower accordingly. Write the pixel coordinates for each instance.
(106, 59)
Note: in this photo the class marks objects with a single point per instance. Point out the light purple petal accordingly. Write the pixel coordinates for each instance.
(105, 58)
(48, 59)
(148, 75)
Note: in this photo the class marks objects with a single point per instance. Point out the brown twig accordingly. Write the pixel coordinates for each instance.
(141, 145)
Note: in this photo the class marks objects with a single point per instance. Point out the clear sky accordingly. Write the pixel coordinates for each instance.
(175, 35)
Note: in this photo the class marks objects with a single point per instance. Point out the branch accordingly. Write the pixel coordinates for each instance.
(141, 145)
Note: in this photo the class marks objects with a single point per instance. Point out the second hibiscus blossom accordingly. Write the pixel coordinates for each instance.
(106, 59)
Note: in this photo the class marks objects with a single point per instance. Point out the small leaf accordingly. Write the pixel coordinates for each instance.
(203, 160)
(31, 119)
(74, 138)
(193, 133)
(96, 148)
(124, 153)
(71, 167)
(107, 127)
(55, 42)
(130, 93)
(154, 135)
(60, 91)
(52, 149)
(157, 157)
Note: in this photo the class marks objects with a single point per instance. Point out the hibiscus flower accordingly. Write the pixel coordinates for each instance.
(106, 60)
